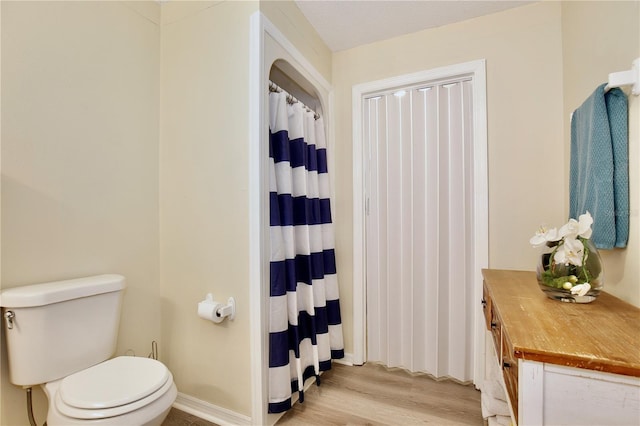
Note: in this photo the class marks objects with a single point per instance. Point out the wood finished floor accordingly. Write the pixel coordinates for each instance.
(374, 395)
(180, 418)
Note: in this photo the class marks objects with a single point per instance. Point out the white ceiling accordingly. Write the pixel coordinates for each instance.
(344, 24)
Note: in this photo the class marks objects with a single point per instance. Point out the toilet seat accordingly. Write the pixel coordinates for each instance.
(113, 388)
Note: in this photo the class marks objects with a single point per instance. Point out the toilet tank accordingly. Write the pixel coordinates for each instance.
(59, 328)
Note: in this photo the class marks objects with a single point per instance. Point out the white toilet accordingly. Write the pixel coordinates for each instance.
(60, 335)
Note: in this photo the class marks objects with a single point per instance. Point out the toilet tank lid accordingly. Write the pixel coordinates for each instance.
(59, 291)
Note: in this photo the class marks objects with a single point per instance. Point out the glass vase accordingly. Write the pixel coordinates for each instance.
(558, 280)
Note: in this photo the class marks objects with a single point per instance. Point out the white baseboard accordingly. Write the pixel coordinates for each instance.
(210, 412)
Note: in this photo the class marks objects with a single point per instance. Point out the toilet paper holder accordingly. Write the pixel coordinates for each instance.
(214, 311)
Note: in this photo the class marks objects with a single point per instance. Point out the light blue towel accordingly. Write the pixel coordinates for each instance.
(599, 168)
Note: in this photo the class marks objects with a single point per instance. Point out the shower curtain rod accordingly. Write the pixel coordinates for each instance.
(290, 98)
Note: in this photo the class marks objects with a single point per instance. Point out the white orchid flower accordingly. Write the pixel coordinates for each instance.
(543, 236)
(584, 225)
(581, 289)
(570, 252)
(570, 229)
(577, 228)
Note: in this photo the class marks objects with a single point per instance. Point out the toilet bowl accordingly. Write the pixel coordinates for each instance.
(62, 335)
(121, 391)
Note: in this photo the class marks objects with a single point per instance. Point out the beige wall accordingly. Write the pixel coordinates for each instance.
(80, 111)
(204, 211)
(285, 15)
(523, 50)
(600, 38)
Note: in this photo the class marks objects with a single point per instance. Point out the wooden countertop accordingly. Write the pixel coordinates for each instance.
(603, 335)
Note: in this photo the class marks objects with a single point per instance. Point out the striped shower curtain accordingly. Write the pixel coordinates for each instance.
(305, 331)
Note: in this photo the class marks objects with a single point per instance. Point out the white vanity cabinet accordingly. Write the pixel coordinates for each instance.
(563, 363)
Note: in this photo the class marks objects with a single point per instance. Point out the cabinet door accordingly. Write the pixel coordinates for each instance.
(575, 396)
(557, 395)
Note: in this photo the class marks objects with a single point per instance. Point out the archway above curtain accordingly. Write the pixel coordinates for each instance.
(305, 330)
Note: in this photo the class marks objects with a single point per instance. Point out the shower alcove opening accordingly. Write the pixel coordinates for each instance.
(275, 58)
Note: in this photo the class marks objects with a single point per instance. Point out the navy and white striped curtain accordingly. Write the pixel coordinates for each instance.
(305, 330)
